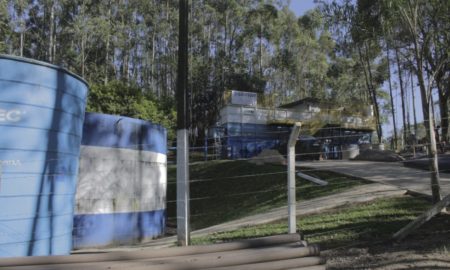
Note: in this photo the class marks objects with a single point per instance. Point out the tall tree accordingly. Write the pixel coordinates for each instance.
(413, 14)
(5, 30)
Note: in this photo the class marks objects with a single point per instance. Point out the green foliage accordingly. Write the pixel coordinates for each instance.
(121, 99)
(251, 45)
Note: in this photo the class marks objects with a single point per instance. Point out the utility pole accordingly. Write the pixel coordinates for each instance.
(182, 129)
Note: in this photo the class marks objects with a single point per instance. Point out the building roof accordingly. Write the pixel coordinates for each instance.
(300, 101)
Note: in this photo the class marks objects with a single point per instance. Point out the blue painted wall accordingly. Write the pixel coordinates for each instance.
(248, 140)
(123, 132)
(121, 194)
(41, 117)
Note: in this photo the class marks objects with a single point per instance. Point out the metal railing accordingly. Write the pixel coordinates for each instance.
(240, 114)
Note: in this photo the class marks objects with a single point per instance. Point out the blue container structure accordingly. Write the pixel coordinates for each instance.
(248, 140)
(41, 118)
(121, 194)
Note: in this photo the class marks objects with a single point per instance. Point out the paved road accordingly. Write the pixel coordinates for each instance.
(391, 173)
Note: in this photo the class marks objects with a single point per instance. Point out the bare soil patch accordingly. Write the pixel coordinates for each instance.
(428, 248)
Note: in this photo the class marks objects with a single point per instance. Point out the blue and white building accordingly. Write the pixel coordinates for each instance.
(246, 129)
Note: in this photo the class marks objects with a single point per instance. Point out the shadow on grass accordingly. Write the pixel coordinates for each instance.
(361, 224)
(226, 190)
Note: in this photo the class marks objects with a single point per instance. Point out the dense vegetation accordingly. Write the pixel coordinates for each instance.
(344, 51)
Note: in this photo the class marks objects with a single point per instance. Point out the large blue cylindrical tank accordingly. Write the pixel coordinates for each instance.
(41, 118)
(121, 194)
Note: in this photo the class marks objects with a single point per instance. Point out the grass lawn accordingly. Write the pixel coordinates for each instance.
(364, 223)
(225, 190)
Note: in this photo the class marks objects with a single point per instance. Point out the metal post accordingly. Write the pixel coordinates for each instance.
(182, 188)
(292, 221)
(206, 144)
(182, 132)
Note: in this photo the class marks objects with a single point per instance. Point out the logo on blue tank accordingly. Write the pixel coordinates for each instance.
(11, 116)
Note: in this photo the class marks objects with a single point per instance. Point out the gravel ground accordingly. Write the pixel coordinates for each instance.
(423, 163)
(428, 248)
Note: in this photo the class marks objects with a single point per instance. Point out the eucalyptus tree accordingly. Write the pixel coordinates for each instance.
(388, 60)
(286, 79)
(260, 21)
(357, 32)
(19, 19)
(5, 29)
(437, 54)
(414, 15)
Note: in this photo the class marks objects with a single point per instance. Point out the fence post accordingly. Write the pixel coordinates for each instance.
(292, 221)
(183, 125)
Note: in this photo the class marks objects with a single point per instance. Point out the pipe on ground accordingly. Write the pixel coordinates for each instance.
(235, 258)
(221, 259)
(316, 267)
(278, 265)
(151, 253)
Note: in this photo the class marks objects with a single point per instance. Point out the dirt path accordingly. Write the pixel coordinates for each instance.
(390, 173)
(362, 258)
(416, 252)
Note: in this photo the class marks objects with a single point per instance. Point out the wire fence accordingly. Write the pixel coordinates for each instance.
(221, 191)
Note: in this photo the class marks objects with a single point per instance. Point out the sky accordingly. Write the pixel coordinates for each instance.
(299, 7)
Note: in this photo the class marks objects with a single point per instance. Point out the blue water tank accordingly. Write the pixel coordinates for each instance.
(41, 118)
(121, 194)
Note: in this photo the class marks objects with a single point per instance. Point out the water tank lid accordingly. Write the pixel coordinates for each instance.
(40, 63)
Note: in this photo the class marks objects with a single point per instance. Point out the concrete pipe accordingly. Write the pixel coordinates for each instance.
(316, 267)
(277, 265)
(152, 253)
(222, 259)
(211, 260)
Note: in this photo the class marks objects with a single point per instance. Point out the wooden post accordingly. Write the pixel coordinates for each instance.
(292, 221)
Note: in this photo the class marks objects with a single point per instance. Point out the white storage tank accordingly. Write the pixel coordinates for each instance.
(121, 193)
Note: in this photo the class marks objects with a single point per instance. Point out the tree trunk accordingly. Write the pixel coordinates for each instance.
(108, 37)
(22, 37)
(82, 54)
(51, 41)
(414, 105)
(260, 47)
(125, 73)
(394, 145)
(372, 92)
(83, 41)
(375, 98)
(107, 59)
(55, 42)
(428, 121)
(443, 107)
(402, 94)
(225, 28)
(443, 101)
